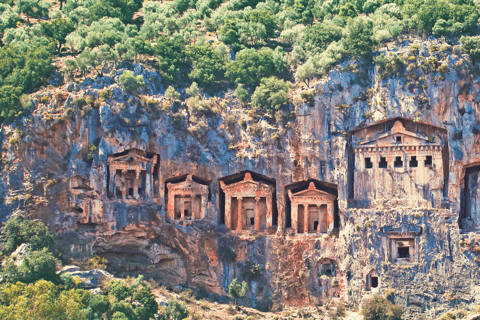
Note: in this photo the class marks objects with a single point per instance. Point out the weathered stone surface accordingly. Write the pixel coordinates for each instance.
(406, 233)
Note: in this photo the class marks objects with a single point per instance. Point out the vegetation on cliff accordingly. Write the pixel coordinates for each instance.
(211, 42)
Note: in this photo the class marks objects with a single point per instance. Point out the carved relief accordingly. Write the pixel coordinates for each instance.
(248, 204)
(84, 200)
(187, 200)
(312, 210)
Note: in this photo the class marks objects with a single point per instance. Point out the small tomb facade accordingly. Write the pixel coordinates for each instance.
(393, 163)
(312, 210)
(187, 200)
(84, 201)
(132, 175)
(372, 280)
(403, 243)
(248, 204)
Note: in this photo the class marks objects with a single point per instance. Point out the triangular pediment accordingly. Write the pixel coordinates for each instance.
(133, 156)
(311, 193)
(402, 229)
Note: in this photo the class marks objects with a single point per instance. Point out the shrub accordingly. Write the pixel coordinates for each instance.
(379, 308)
(270, 95)
(171, 93)
(118, 289)
(176, 310)
(18, 230)
(36, 265)
(130, 83)
(251, 271)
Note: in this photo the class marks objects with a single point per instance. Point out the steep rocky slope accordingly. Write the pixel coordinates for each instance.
(73, 130)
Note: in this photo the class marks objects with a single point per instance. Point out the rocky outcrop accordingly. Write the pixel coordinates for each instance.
(55, 167)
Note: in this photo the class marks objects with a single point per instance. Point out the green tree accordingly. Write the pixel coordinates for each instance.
(270, 95)
(229, 33)
(171, 93)
(119, 316)
(171, 56)
(471, 46)
(207, 66)
(176, 310)
(266, 18)
(147, 307)
(57, 30)
(359, 40)
(125, 308)
(348, 11)
(118, 289)
(36, 265)
(241, 93)
(33, 8)
(379, 308)
(42, 300)
(237, 290)
(19, 230)
(122, 9)
(250, 66)
(322, 34)
(192, 90)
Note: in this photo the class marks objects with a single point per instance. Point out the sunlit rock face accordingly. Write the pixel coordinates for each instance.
(321, 212)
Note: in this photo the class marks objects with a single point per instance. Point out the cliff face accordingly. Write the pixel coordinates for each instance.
(55, 168)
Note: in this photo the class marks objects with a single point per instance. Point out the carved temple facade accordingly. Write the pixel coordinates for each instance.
(248, 204)
(131, 175)
(312, 210)
(84, 200)
(393, 163)
(187, 200)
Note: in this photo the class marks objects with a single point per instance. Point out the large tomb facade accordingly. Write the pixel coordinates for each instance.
(312, 210)
(131, 175)
(187, 200)
(396, 164)
(248, 204)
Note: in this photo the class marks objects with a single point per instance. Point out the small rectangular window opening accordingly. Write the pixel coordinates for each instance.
(403, 252)
(374, 282)
(382, 163)
(429, 161)
(130, 192)
(413, 162)
(368, 163)
(315, 225)
(252, 221)
(398, 162)
(398, 139)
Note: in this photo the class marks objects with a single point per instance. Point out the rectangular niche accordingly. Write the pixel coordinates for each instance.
(402, 250)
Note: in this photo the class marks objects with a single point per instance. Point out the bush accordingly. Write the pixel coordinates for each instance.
(251, 271)
(18, 230)
(130, 83)
(270, 95)
(118, 289)
(176, 310)
(36, 265)
(379, 308)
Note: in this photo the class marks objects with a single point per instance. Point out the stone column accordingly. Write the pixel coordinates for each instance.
(330, 216)
(171, 203)
(228, 211)
(294, 216)
(305, 218)
(239, 214)
(319, 218)
(257, 213)
(269, 211)
(182, 213)
(149, 183)
(112, 182)
(135, 188)
(124, 191)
